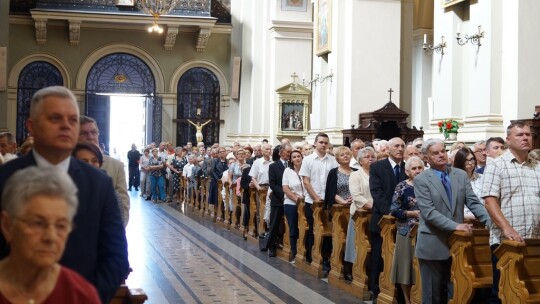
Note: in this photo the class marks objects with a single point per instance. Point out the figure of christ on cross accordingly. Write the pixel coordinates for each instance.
(198, 126)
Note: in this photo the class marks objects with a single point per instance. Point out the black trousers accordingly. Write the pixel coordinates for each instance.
(494, 296)
(376, 262)
(276, 216)
(134, 176)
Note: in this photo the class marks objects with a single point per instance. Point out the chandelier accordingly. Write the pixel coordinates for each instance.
(156, 8)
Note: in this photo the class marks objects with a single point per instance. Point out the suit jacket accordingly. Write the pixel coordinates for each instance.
(439, 218)
(275, 181)
(382, 184)
(115, 169)
(97, 247)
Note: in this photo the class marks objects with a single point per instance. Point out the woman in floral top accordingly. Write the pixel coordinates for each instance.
(406, 211)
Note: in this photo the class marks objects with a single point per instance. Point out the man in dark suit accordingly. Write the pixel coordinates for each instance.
(275, 176)
(384, 175)
(441, 193)
(97, 247)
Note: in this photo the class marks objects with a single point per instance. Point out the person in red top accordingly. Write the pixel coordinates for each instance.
(38, 207)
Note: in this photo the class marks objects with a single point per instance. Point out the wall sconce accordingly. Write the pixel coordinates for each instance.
(474, 39)
(318, 78)
(439, 48)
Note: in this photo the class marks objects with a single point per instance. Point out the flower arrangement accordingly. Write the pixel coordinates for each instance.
(448, 126)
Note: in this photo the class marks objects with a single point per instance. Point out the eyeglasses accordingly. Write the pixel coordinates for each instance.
(480, 151)
(39, 226)
(470, 160)
(91, 132)
(419, 146)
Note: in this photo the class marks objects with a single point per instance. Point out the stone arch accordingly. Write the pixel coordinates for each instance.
(223, 83)
(89, 62)
(22, 63)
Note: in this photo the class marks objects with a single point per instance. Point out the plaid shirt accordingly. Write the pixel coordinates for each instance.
(517, 188)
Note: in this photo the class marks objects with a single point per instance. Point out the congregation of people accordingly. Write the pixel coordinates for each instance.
(73, 187)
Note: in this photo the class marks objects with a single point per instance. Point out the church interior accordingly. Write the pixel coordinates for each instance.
(242, 71)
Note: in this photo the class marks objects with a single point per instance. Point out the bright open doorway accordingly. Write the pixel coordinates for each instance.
(127, 117)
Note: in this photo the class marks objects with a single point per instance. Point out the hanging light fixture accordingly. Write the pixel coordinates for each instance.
(156, 8)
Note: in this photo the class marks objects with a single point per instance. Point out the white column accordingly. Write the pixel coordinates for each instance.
(365, 60)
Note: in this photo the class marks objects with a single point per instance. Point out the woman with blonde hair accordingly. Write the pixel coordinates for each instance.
(337, 186)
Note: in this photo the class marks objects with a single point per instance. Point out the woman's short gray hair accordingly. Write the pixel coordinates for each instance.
(33, 181)
(429, 143)
(411, 161)
(365, 151)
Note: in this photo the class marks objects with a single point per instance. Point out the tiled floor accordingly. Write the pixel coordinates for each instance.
(178, 259)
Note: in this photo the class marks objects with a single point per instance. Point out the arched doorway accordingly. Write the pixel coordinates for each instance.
(34, 76)
(198, 99)
(126, 75)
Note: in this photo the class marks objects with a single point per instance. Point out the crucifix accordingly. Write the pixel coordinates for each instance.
(390, 91)
(294, 76)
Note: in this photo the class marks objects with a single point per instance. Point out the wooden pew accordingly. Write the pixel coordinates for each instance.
(300, 259)
(340, 222)
(321, 228)
(218, 209)
(388, 234)
(227, 208)
(416, 290)
(520, 271)
(471, 263)
(203, 195)
(252, 226)
(125, 295)
(236, 212)
(262, 202)
(197, 195)
(285, 252)
(361, 220)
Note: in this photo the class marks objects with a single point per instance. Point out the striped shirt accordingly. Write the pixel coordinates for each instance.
(517, 188)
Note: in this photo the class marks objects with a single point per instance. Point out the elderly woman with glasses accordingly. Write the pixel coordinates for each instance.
(38, 206)
(405, 209)
(361, 199)
(466, 161)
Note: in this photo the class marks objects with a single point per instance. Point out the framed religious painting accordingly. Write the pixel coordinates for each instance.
(293, 110)
(294, 5)
(322, 33)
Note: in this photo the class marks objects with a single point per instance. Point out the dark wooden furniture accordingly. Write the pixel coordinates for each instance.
(384, 123)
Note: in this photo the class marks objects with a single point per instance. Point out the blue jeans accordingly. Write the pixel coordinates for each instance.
(291, 212)
(158, 181)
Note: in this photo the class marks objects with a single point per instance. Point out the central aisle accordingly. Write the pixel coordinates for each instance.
(177, 259)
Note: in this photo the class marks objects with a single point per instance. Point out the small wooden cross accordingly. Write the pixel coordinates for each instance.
(390, 91)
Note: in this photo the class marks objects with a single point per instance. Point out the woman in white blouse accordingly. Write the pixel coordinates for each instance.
(293, 188)
(359, 187)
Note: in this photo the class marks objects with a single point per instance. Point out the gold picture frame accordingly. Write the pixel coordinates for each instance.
(125, 2)
(448, 3)
(322, 33)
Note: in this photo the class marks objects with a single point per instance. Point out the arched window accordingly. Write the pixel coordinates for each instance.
(34, 76)
(198, 96)
(122, 73)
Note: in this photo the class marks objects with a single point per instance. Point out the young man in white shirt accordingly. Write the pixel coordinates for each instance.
(314, 172)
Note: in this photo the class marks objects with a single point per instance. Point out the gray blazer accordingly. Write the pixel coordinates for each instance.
(437, 218)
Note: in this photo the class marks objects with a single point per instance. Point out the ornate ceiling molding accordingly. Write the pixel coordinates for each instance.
(202, 39)
(204, 26)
